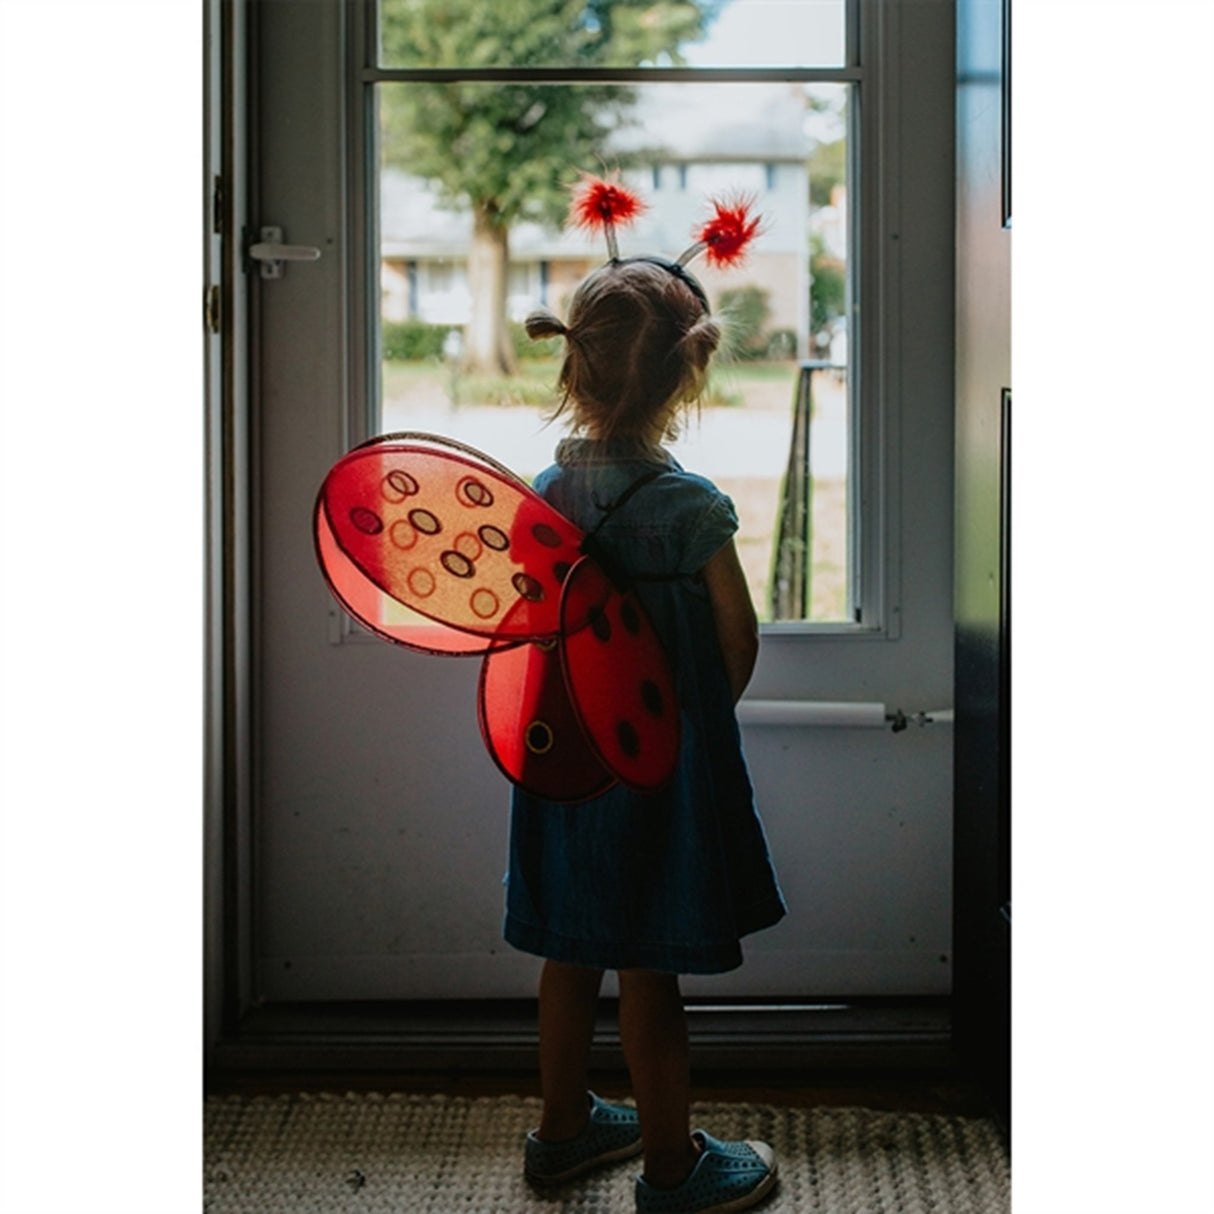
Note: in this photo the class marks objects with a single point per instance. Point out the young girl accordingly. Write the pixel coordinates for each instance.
(661, 884)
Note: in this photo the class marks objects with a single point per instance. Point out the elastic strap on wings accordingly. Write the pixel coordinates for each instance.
(620, 577)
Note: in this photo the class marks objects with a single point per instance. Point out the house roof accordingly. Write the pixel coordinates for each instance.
(719, 122)
(725, 135)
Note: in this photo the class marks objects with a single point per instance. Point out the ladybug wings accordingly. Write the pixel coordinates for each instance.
(575, 692)
(566, 720)
(448, 533)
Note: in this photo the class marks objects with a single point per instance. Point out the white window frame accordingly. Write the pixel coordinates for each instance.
(873, 515)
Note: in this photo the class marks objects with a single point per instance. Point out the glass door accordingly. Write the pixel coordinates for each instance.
(379, 821)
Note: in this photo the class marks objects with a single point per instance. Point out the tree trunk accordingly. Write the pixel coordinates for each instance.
(488, 349)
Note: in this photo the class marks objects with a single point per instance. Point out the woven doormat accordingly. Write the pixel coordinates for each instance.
(409, 1154)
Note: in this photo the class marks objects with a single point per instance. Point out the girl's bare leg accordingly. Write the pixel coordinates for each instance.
(568, 997)
(653, 1031)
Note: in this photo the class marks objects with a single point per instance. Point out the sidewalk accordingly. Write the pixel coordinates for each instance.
(749, 440)
(741, 448)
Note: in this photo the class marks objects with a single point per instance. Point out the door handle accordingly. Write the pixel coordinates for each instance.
(270, 251)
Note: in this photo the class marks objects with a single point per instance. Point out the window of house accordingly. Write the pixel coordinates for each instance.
(440, 276)
(474, 109)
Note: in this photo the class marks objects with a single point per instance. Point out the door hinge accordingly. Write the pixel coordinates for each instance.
(212, 316)
(217, 205)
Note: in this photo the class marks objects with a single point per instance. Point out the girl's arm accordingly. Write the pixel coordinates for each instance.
(734, 614)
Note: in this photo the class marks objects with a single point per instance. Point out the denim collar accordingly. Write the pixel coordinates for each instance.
(571, 451)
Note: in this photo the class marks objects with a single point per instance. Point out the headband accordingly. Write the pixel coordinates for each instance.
(677, 269)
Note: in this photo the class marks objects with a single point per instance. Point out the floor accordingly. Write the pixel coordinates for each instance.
(442, 1143)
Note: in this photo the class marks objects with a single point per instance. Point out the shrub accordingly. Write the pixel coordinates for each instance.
(524, 347)
(781, 345)
(506, 390)
(419, 341)
(828, 294)
(414, 340)
(722, 390)
(745, 311)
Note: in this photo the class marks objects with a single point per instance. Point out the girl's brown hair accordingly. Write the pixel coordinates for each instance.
(638, 342)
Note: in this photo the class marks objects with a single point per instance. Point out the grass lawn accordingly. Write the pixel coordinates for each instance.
(739, 440)
(730, 383)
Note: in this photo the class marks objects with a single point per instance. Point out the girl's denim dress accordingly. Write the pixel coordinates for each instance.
(671, 880)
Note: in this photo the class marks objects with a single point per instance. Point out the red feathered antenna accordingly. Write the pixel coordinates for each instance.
(724, 238)
(600, 204)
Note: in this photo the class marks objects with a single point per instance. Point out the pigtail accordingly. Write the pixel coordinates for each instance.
(541, 325)
(691, 355)
(700, 342)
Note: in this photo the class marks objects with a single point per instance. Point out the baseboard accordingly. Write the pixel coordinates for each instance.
(826, 1034)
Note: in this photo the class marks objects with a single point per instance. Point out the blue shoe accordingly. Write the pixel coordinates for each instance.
(728, 1176)
(613, 1132)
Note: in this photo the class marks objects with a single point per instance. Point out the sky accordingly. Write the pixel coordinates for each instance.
(758, 33)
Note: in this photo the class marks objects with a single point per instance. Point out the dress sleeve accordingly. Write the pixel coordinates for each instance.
(706, 521)
(544, 479)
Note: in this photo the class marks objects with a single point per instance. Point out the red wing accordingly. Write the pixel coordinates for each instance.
(363, 600)
(455, 536)
(619, 679)
(530, 727)
(447, 532)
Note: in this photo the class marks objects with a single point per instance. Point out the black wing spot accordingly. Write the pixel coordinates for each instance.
(474, 493)
(630, 617)
(628, 738)
(399, 484)
(493, 537)
(538, 737)
(651, 697)
(546, 535)
(457, 564)
(528, 587)
(425, 522)
(367, 521)
(600, 625)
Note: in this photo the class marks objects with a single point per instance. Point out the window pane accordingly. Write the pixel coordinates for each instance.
(612, 33)
(472, 231)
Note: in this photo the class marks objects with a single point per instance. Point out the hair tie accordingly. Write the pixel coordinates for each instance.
(543, 324)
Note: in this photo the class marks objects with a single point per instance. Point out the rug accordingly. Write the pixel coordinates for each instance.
(416, 1154)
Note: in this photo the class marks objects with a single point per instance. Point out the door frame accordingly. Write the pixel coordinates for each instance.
(228, 678)
(241, 1034)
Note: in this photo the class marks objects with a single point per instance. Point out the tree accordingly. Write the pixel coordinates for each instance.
(828, 292)
(827, 169)
(509, 152)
